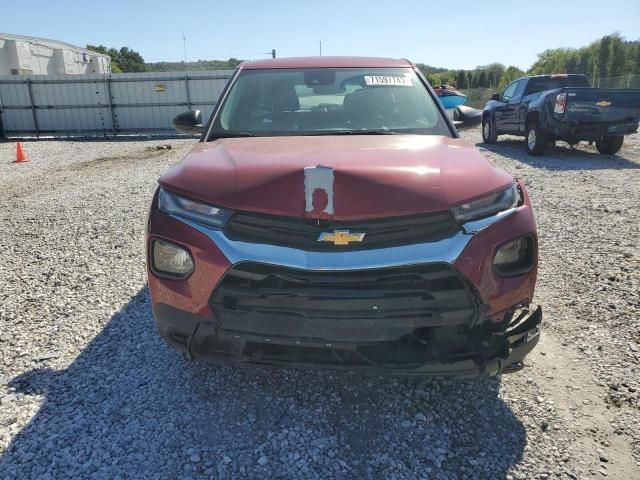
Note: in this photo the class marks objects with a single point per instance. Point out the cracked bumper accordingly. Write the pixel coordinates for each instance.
(187, 317)
(200, 337)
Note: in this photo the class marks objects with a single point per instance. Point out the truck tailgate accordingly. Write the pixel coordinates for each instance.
(601, 105)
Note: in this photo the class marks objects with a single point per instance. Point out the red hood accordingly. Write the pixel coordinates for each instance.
(374, 176)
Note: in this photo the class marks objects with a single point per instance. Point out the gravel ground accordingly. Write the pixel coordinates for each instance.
(87, 388)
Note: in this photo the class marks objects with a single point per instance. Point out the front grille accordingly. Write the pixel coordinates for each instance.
(303, 233)
(286, 304)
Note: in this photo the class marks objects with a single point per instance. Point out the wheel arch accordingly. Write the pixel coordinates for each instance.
(533, 116)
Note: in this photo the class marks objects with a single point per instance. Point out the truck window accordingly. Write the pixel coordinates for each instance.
(284, 102)
(520, 88)
(509, 91)
(551, 82)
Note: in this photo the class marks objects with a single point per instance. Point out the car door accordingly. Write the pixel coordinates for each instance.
(502, 111)
(513, 107)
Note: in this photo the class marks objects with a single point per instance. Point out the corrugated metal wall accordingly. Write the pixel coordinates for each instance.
(99, 105)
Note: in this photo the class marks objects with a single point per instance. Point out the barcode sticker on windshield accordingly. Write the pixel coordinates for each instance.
(401, 81)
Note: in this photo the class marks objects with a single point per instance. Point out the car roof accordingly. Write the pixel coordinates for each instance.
(326, 62)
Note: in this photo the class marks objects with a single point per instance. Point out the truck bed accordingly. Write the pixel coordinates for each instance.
(592, 112)
(600, 105)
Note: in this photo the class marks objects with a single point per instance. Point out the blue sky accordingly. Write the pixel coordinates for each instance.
(457, 34)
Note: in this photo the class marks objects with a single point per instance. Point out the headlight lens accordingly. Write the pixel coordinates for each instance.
(489, 205)
(511, 253)
(198, 212)
(171, 259)
(515, 257)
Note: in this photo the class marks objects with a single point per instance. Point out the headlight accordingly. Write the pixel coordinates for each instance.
(489, 205)
(515, 257)
(171, 260)
(198, 212)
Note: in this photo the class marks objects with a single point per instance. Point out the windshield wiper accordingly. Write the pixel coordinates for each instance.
(379, 131)
(234, 135)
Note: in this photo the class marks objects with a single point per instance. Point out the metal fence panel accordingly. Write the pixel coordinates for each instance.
(18, 93)
(18, 122)
(104, 105)
(74, 121)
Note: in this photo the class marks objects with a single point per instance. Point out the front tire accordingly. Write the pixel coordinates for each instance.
(489, 134)
(536, 140)
(609, 145)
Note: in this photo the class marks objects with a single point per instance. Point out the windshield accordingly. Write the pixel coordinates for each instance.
(328, 101)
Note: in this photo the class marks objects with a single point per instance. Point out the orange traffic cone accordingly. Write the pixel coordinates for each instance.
(20, 155)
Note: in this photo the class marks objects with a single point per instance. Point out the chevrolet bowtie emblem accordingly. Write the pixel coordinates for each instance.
(603, 103)
(340, 237)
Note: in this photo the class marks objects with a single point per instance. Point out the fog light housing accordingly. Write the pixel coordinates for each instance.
(515, 257)
(170, 260)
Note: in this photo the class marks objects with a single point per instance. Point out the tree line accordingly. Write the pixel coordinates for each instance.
(494, 75)
(611, 57)
(197, 65)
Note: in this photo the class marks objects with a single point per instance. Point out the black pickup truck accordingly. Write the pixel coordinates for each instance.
(546, 108)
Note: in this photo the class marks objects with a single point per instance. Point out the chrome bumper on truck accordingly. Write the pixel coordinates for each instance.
(397, 310)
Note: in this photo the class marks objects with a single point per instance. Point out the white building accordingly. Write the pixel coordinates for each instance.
(20, 55)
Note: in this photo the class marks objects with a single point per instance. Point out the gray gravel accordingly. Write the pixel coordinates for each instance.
(87, 388)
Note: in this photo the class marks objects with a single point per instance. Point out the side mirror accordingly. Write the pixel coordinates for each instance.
(495, 96)
(189, 122)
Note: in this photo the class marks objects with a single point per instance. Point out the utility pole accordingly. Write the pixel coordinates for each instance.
(320, 47)
(184, 45)
(273, 53)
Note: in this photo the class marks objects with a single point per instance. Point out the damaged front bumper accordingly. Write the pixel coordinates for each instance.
(506, 344)
(432, 308)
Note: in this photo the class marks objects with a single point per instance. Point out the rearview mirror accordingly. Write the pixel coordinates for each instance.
(495, 96)
(189, 122)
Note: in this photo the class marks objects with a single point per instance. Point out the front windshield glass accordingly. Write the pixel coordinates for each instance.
(328, 101)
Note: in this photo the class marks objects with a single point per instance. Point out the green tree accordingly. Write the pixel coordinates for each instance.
(494, 72)
(482, 79)
(197, 65)
(571, 62)
(510, 74)
(461, 80)
(550, 61)
(434, 79)
(604, 51)
(585, 62)
(616, 62)
(428, 69)
(123, 60)
(130, 60)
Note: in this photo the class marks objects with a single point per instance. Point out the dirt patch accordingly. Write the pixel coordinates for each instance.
(145, 153)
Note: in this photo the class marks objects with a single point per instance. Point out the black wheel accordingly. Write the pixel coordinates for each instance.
(609, 145)
(489, 134)
(536, 140)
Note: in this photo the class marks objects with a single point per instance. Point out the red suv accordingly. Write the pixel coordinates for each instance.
(330, 216)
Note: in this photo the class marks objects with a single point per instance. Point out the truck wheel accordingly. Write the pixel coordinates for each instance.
(536, 139)
(609, 145)
(489, 134)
